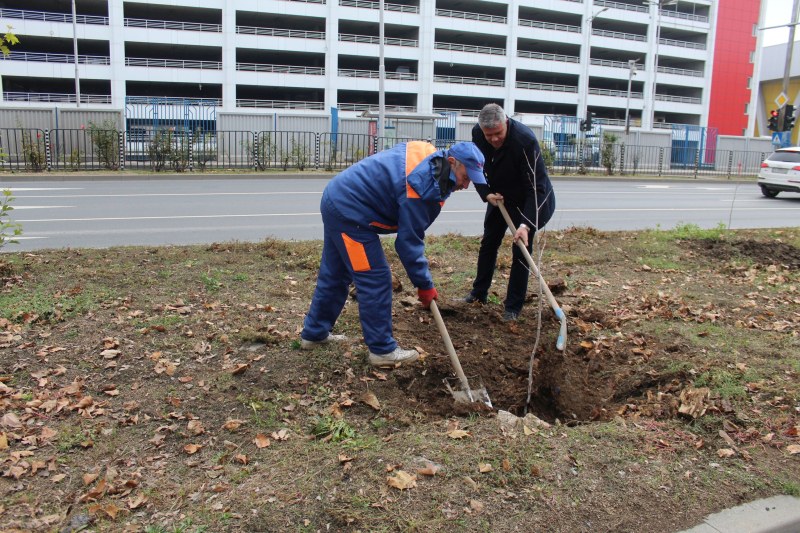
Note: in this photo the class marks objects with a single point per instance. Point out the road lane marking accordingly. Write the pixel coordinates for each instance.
(316, 213)
(17, 207)
(157, 194)
(692, 188)
(646, 190)
(19, 189)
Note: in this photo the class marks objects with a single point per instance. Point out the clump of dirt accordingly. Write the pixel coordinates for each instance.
(762, 253)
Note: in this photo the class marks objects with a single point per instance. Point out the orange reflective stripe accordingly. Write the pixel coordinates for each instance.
(416, 151)
(382, 226)
(356, 253)
(410, 192)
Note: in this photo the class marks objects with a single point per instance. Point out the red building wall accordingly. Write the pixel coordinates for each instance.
(732, 67)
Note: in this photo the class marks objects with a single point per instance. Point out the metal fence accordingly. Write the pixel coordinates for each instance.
(621, 159)
(165, 149)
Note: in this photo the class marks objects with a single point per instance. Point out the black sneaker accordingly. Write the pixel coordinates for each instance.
(471, 299)
(510, 316)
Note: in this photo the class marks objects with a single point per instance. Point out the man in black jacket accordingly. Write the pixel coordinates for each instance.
(516, 174)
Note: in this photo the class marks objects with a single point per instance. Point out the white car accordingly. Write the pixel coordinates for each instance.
(780, 172)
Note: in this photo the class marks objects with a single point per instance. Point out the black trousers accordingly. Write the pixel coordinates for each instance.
(494, 229)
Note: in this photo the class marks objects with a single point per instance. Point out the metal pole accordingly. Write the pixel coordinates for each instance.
(75, 57)
(788, 65)
(655, 65)
(381, 74)
(659, 4)
(631, 72)
(586, 51)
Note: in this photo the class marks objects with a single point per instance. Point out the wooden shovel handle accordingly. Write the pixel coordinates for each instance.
(451, 350)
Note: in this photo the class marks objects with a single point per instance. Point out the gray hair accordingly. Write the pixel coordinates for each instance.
(491, 116)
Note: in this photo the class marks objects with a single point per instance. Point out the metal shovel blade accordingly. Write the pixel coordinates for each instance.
(466, 394)
(469, 395)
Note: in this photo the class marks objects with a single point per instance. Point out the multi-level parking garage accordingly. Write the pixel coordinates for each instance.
(552, 57)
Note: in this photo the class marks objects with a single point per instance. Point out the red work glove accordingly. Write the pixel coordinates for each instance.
(426, 296)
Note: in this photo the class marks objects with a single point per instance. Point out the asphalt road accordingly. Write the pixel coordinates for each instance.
(100, 213)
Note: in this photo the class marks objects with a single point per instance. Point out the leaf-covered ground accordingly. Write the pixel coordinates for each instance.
(163, 390)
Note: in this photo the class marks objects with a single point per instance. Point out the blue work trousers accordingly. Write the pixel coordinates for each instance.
(351, 253)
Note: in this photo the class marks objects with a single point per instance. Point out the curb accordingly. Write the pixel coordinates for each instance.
(778, 514)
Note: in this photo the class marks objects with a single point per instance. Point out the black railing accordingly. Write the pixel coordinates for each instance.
(168, 149)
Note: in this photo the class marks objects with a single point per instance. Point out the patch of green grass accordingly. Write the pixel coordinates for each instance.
(790, 488)
(337, 429)
(693, 231)
(70, 438)
(211, 281)
(723, 382)
(165, 321)
(47, 305)
(659, 263)
(265, 414)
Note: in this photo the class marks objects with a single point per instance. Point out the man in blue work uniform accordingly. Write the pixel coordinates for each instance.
(400, 190)
(516, 174)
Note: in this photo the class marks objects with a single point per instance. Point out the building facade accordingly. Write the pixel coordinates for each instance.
(651, 60)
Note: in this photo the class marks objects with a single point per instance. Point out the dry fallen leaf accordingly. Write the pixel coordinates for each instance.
(402, 480)
(110, 354)
(192, 448)
(429, 470)
(261, 441)
(88, 479)
(370, 399)
(476, 506)
(241, 458)
(793, 449)
(283, 434)
(239, 368)
(138, 501)
(10, 420)
(726, 452)
(3, 441)
(233, 424)
(484, 468)
(195, 427)
(458, 434)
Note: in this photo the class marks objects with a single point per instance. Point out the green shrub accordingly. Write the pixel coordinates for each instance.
(8, 229)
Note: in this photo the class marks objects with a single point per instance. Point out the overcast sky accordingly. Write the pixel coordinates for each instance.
(778, 12)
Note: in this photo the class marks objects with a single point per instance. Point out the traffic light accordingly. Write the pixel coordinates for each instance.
(788, 118)
(772, 124)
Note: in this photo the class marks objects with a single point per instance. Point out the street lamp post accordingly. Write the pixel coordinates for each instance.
(75, 58)
(586, 54)
(659, 4)
(381, 74)
(631, 74)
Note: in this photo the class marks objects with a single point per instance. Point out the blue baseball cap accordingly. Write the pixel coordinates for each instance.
(471, 158)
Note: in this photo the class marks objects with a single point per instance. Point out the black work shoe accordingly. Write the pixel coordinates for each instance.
(471, 299)
(510, 316)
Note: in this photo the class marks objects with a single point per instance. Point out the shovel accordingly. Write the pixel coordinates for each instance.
(465, 395)
(562, 335)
